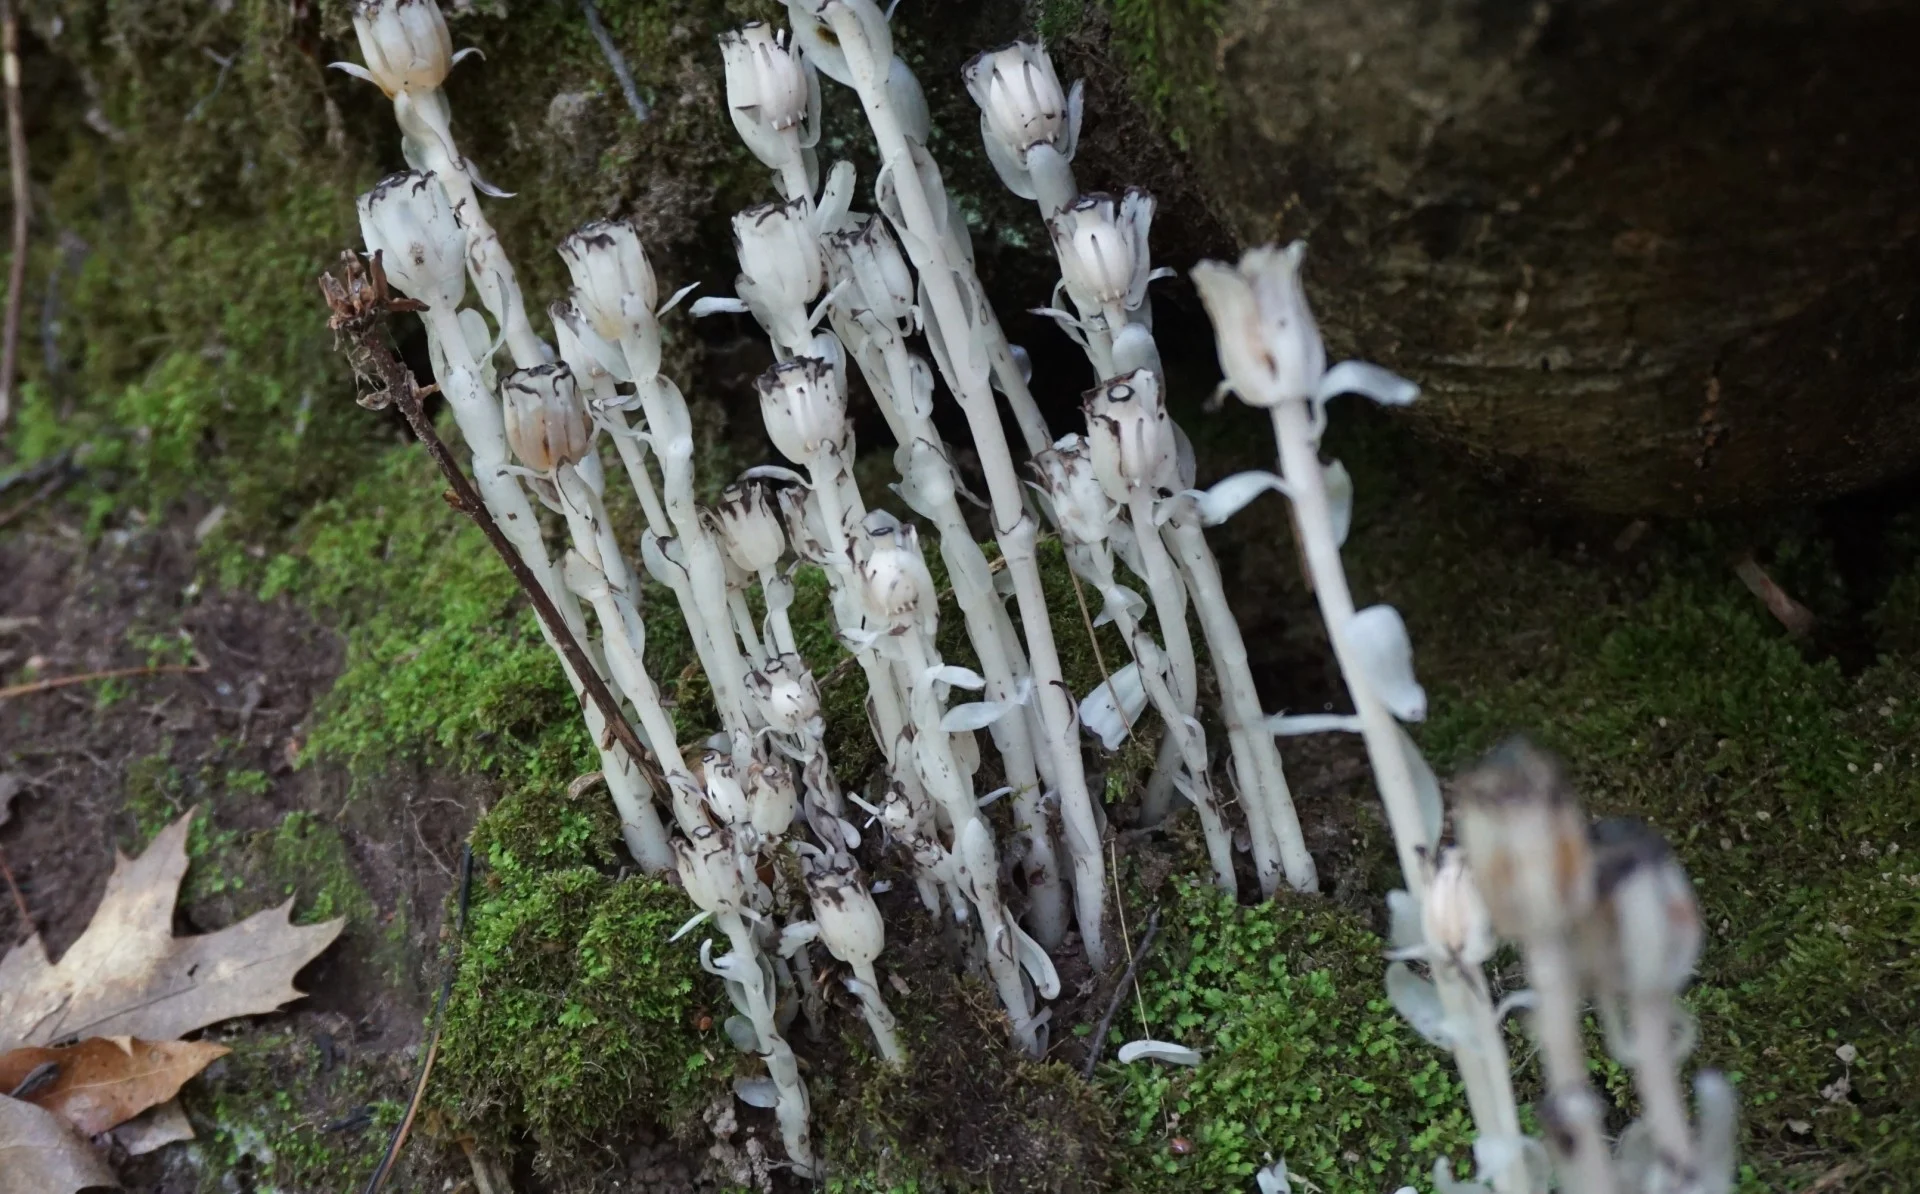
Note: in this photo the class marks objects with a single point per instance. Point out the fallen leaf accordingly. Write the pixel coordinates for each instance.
(40, 1153)
(154, 1128)
(105, 1081)
(128, 975)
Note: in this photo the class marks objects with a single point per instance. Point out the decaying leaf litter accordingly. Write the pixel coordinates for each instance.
(123, 995)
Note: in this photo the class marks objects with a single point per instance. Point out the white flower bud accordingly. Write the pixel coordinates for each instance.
(708, 870)
(927, 482)
(1080, 506)
(782, 268)
(1021, 102)
(584, 350)
(898, 588)
(1102, 248)
(850, 925)
(867, 256)
(407, 219)
(749, 527)
(1131, 436)
(806, 532)
(725, 795)
(1526, 840)
(612, 279)
(405, 43)
(1269, 345)
(773, 93)
(805, 408)
(788, 700)
(1647, 936)
(772, 795)
(546, 420)
(1454, 917)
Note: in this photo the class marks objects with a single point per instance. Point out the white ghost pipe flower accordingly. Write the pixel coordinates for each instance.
(1067, 476)
(1132, 438)
(407, 219)
(613, 281)
(1453, 917)
(773, 96)
(782, 270)
(805, 409)
(772, 796)
(1029, 126)
(852, 931)
(1102, 247)
(898, 588)
(749, 527)
(867, 259)
(405, 43)
(546, 422)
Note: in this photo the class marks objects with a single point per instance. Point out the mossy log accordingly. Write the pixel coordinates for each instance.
(1646, 257)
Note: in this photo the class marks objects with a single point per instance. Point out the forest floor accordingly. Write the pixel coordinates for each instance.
(324, 767)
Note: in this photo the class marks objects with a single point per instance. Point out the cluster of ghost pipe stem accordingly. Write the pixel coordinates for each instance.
(884, 601)
(1606, 911)
(1031, 129)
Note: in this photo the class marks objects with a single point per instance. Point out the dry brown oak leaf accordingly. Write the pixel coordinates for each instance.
(104, 1081)
(40, 1153)
(128, 975)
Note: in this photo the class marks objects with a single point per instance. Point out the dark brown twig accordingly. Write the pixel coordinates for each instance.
(361, 303)
(1797, 618)
(19, 901)
(1099, 1041)
(22, 203)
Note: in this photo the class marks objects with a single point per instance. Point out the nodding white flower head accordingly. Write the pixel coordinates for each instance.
(725, 795)
(773, 92)
(772, 796)
(899, 589)
(1131, 436)
(546, 420)
(788, 699)
(1526, 839)
(804, 406)
(1269, 345)
(1647, 936)
(897, 812)
(709, 870)
(612, 279)
(1081, 507)
(813, 30)
(927, 479)
(405, 43)
(408, 220)
(749, 526)
(1102, 246)
(782, 268)
(1454, 918)
(866, 256)
(850, 925)
(1021, 106)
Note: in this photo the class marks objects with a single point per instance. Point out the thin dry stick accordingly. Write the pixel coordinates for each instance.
(52, 682)
(1120, 994)
(616, 60)
(22, 203)
(361, 304)
(1086, 619)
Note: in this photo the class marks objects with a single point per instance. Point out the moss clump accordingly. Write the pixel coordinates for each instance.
(1167, 48)
(572, 1019)
(1303, 1057)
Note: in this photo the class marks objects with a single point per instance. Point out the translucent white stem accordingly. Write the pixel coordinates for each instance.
(1013, 526)
(790, 1093)
(1263, 783)
(778, 592)
(879, 1019)
(1575, 1110)
(1656, 1074)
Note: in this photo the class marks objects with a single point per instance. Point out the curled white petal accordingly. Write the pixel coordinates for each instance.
(1358, 377)
(756, 1092)
(958, 677)
(975, 715)
(1273, 1178)
(1165, 1051)
(1404, 932)
(1111, 709)
(1339, 484)
(1426, 786)
(1293, 725)
(693, 923)
(717, 304)
(1228, 497)
(1377, 637)
(1418, 1002)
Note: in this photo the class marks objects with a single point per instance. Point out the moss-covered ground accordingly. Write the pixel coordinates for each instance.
(188, 371)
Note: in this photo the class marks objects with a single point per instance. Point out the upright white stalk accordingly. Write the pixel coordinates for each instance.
(857, 24)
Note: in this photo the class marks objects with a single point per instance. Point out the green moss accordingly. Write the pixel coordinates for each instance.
(573, 1018)
(1167, 48)
(1303, 1058)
